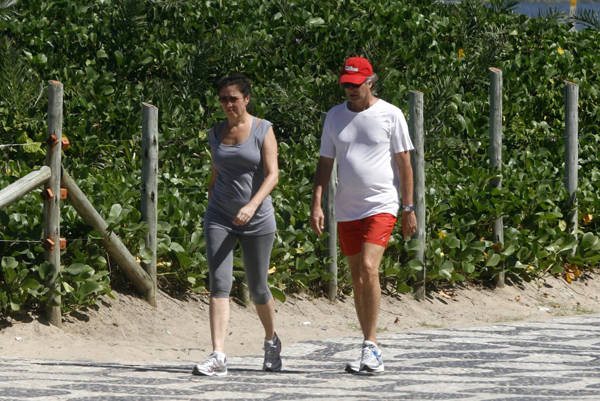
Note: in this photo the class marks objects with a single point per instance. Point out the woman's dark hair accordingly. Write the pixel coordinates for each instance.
(237, 79)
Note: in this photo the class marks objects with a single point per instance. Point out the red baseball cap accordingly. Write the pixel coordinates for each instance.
(356, 71)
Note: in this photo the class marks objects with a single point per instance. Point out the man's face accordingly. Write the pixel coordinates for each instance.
(357, 93)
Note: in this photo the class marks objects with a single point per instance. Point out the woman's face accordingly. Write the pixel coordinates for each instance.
(233, 101)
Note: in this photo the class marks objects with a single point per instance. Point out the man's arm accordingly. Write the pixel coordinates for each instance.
(409, 219)
(321, 180)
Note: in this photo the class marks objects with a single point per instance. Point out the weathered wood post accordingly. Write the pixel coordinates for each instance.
(111, 242)
(496, 155)
(572, 151)
(332, 268)
(417, 132)
(51, 234)
(24, 185)
(150, 189)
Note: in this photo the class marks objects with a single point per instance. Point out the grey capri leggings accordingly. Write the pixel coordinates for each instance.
(256, 253)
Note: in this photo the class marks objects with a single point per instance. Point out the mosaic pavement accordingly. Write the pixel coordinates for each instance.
(554, 360)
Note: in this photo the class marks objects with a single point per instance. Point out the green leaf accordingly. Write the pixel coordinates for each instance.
(115, 211)
(562, 225)
(317, 21)
(589, 242)
(88, 288)
(278, 294)
(493, 260)
(78, 268)
(8, 262)
(175, 247)
(509, 250)
(67, 287)
(468, 267)
(30, 284)
(415, 264)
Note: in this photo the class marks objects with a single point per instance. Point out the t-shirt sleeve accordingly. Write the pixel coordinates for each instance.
(400, 137)
(327, 146)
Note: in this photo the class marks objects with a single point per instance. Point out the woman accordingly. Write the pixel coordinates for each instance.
(244, 172)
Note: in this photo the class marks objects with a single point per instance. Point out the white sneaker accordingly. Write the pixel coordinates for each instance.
(370, 361)
(214, 365)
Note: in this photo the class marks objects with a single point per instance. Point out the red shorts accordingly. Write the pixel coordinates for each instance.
(375, 229)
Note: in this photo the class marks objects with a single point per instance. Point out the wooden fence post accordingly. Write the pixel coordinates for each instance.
(332, 268)
(24, 185)
(51, 235)
(572, 151)
(496, 155)
(331, 228)
(416, 129)
(150, 189)
(113, 244)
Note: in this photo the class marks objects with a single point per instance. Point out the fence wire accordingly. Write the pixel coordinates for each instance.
(11, 145)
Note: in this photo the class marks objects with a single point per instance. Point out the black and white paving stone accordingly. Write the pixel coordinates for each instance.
(553, 360)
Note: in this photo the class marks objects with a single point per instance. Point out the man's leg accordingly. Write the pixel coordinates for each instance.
(364, 267)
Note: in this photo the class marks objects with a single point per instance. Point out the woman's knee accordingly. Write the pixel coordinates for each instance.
(261, 297)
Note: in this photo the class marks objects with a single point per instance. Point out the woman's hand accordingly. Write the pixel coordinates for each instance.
(244, 215)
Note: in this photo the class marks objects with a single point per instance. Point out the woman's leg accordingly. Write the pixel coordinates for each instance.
(256, 252)
(219, 250)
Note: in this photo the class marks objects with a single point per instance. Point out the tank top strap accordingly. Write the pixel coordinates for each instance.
(260, 129)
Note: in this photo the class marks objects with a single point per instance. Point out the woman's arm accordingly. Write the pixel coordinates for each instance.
(271, 172)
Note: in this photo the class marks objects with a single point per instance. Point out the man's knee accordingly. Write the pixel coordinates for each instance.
(370, 267)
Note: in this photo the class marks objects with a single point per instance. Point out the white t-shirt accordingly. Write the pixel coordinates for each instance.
(364, 144)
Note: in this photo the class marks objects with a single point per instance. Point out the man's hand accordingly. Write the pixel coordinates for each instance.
(317, 220)
(409, 224)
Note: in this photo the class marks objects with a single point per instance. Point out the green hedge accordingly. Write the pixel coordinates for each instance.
(113, 55)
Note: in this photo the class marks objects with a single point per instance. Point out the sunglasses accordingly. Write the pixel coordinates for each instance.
(228, 99)
(348, 85)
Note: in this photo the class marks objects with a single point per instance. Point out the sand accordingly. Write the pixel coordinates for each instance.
(128, 330)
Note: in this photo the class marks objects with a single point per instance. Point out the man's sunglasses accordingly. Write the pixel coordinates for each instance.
(348, 85)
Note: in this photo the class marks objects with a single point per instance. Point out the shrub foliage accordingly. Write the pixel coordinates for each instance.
(113, 55)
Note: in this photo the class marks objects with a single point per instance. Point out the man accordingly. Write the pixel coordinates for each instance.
(369, 139)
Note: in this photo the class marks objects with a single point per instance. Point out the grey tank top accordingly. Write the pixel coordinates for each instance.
(239, 176)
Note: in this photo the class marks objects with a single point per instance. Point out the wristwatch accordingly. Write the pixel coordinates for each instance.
(408, 208)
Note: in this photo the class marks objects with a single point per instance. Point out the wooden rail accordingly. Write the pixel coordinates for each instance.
(24, 185)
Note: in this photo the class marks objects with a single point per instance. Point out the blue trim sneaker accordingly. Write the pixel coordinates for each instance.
(371, 360)
(272, 361)
(214, 365)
